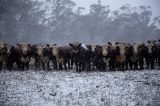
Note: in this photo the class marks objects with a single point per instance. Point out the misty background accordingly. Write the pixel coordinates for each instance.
(64, 21)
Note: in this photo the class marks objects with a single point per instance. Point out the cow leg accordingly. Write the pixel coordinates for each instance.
(122, 65)
(1, 63)
(43, 66)
(147, 61)
(27, 65)
(48, 68)
(68, 64)
(159, 60)
(119, 65)
(18, 64)
(79, 67)
(55, 64)
(76, 64)
(37, 63)
(152, 63)
(83, 66)
(126, 64)
(141, 63)
(110, 65)
(89, 65)
(9, 65)
(22, 66)
(72, 61)
(60, 66)
(130, 64)
(65, 66)
(136, 66)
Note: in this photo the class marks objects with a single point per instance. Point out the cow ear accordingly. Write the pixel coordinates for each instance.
(117, 43)
(109, 43)
(18, 44)
(159, 40)
(71, 44)
(79, 44)
(149, 42)
(5, 44)
(29, 45)
(47, 45)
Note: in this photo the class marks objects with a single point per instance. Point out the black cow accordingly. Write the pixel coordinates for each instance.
(3, 54)
(80, 56)
(129, 54)
(158, 52)
(99, 58)
(151, 54)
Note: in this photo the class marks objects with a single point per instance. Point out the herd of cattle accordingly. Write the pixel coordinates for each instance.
(113, 55)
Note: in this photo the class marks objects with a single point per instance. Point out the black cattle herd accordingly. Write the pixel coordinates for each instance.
(82, 57)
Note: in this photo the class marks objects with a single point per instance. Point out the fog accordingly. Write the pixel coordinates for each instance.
(114, 4)
(91, 22)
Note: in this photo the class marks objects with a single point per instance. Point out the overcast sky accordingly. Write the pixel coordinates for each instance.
(115, 4)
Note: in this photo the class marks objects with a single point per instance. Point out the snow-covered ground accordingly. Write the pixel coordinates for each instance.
(61, 88)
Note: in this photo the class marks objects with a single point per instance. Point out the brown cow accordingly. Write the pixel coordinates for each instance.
(112, 54)
(54, 56)
(135, 57)
(24, 52)
(121, 56)
(43, 57)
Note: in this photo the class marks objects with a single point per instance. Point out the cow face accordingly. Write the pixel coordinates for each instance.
(9, 49)
(54, 49)
(39, 50)
(105, 50)
(98, 49)
(92, 48)
(25, 48)
(151, 46)
(2, 45)
(122, 48)
(135, 48)
(113, 45)
(3, 48)
(75, 47)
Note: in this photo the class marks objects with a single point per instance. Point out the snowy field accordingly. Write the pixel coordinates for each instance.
(61, 88)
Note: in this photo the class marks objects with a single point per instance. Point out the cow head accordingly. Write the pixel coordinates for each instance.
(10, 49)
(122, 48)
(105, 50)
(113, 45)
(24, 48)
(135, 47)
(151, 46)
(75, 47)
(92, 48)
(54, 49)
(3, 48)
(39, 50)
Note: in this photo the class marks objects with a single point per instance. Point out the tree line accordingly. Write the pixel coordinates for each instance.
(56, 21)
